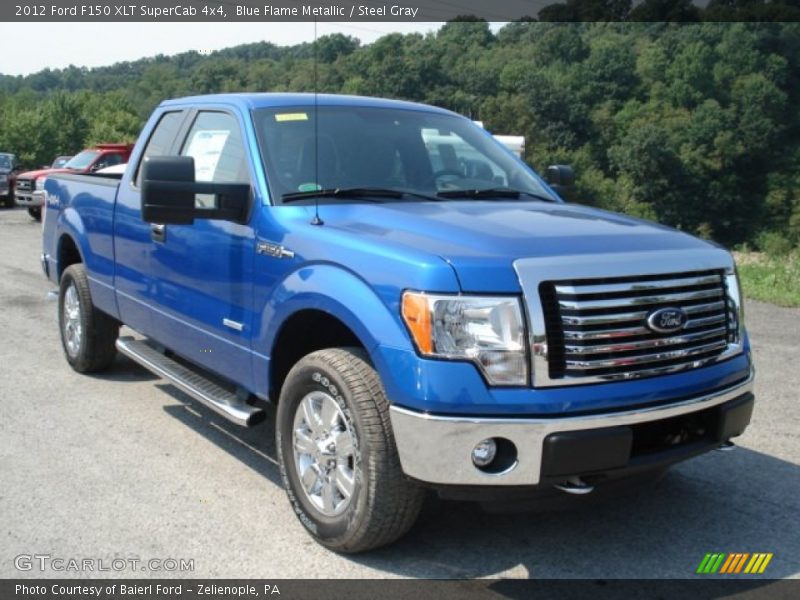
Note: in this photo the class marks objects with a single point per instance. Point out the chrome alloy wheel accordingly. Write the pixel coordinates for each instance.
(72, 321)
(324, 453)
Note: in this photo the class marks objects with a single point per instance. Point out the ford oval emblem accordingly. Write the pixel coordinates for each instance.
(666, 320)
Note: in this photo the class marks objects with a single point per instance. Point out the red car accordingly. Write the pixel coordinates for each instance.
(87, 161)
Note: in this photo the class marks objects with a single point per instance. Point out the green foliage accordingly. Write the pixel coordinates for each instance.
(694, 125)
(38, 129)
(771, 279)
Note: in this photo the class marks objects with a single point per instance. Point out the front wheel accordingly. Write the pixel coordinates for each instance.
(35, 212)
(337, 454)
(88, 335)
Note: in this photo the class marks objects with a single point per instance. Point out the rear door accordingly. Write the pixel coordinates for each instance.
(202, 273)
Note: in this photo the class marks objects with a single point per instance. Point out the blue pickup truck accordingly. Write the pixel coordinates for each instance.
(423, 309)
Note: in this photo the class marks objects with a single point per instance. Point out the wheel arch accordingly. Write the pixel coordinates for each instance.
(67, 253)
(304, 316)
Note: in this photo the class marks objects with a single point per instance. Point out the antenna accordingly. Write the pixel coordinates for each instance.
(316, 220)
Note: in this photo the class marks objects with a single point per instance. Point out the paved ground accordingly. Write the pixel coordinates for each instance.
(125, 466)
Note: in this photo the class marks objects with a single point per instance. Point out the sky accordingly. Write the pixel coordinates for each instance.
(29, 47)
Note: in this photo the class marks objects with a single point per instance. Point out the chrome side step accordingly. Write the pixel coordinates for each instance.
(228, 404)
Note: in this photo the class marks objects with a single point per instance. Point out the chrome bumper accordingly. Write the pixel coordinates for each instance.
(438, 449)
(28, 199)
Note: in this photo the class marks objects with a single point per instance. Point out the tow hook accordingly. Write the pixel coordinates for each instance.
(726, 446)
(574, 485)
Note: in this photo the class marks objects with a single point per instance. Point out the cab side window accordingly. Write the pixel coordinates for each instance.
(215, 143)
(162, 138)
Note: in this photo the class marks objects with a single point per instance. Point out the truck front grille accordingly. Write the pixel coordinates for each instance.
(598, 328)
(23, 185)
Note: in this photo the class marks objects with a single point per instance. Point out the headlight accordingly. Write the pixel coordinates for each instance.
(40, 183)
(486, 330)
(735, 307)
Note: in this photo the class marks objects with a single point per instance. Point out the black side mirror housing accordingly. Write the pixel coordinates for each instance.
(559, 176)
(169, 189)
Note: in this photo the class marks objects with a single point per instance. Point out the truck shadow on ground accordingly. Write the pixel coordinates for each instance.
(719, 502)
(124, 370)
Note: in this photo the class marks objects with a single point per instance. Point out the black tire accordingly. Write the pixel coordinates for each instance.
(383, 504)
(35, 212)
(97, 332)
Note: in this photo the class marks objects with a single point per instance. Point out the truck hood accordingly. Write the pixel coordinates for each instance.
(481, 239)
(42, 173)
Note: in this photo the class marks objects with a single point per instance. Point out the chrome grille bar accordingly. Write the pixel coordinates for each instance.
(649, 343)
(647, 358)
(637, 301)
(636, 316)
(623, 332)
(638, 286)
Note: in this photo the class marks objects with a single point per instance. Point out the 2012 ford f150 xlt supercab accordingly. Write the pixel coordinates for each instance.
(424, 310)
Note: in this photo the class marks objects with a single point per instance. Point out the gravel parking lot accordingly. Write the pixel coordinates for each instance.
(123, 465)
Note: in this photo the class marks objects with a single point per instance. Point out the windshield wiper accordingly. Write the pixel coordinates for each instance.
(354, 192)
(488, 193)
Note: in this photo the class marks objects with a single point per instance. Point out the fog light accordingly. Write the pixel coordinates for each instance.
(484, 452)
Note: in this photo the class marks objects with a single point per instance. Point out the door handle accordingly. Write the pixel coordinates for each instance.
(158, 232)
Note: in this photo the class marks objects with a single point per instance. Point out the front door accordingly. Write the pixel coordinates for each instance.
(202, 288)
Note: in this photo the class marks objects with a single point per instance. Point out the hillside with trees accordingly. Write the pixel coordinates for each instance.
(695, 125)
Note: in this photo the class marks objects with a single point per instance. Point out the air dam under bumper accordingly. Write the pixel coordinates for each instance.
(438, 449)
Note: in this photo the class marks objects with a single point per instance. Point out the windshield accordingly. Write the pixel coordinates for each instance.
(82, 161)
(5, 162)
(418, 152)
(60, 162)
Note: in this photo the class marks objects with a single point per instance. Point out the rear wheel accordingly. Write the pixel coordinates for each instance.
(87, 334)
(337, 453)
(35, 212)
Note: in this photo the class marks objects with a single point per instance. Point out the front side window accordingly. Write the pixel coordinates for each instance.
(215, 143)
(162, 138)
(416, 152)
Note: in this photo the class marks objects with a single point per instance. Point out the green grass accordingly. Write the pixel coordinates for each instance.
(774, 279)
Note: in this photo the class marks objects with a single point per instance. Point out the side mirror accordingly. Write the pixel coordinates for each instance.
(169, 191)
(559, 176)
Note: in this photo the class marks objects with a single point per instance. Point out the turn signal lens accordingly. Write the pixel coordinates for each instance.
(417, 315)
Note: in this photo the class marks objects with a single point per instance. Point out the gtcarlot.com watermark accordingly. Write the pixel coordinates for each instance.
(61, 564)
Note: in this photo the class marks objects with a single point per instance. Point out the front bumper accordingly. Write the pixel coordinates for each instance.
(438, 449)
(28, 199)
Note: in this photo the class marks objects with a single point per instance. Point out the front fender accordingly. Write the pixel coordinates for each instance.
(355, 304)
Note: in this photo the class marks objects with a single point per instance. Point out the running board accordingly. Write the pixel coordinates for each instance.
(228, 404)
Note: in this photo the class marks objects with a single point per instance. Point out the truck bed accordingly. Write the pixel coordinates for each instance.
(92, 197)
